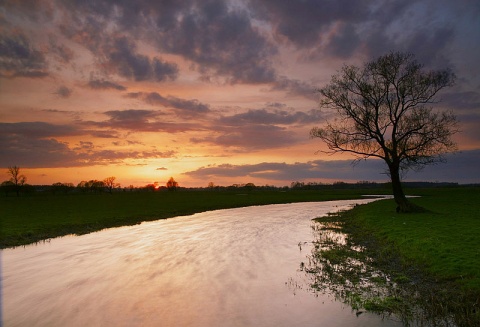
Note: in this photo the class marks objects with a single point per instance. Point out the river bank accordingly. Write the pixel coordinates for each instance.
(229, 267)
(430, 261)
(30, 219)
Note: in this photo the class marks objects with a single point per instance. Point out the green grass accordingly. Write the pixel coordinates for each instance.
(445, 240)
(29, 219)
(432, 257)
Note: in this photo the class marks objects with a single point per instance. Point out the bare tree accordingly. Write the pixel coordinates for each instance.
(384, 110)
(110, 184)
(16, 178)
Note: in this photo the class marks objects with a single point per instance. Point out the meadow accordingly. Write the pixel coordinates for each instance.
(32, 218)
(433, 255)
(445, 240)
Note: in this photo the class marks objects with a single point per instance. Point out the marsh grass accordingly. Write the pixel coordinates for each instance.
(422, 267)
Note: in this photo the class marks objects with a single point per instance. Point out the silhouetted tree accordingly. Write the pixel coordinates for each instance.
(384, 111)
(83, 186)
(110, 184)
(92, 185)
(96, 185)
(297, 185)
(249, 186)
(62, 187)
(16, 178)
(172, 184)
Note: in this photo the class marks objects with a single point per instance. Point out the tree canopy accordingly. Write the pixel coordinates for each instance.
(385, 110)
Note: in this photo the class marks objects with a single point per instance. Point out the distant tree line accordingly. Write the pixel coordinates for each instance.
(17, 185)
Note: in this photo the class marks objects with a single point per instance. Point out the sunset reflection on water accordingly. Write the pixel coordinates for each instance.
(220, 268)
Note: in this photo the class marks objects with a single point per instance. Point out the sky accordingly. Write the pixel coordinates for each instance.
(213, 91)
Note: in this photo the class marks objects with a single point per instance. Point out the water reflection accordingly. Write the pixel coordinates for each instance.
(220, 268)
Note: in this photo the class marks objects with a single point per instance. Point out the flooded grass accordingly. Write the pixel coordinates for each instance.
(360, 258)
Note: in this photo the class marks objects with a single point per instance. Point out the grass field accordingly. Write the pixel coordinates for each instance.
(445, 240)
(432, 258)
(29, 219)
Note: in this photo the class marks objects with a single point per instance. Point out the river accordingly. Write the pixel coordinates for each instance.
(234, 267)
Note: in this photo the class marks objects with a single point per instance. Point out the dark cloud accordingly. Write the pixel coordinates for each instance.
(258, 129)
(221, 41)
(18, 58)
(161, 168)
(457, 169)
(319, 169)
(303, 22)
(38, 129)
(295, 87)
(203, 32)
(43, 130)
(101, 84)
(461, 167)
(50, 153)
(62, 53)
(131, 119)
(34, 145)
(35, 152)
(269, 117)
(39, 11)
(121, 57)
(63, 92)
(249, 137)
(181, 106)
(466, 101)
(345, 29)
(137, 120)
(344, 41)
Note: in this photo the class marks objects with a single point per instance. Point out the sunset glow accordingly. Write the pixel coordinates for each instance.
(212, 91)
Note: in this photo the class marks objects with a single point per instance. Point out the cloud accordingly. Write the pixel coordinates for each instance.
(161, 168)
(61, 52)
(203, 32)
(343, 41)
(138, 120)
(34, 145)
(457, 169)
(466, 101)
(35, 152)
(319, 169)
(221, 41)
(18, 58)
(63, 92)
(181, 106)
(271, 117)
(461, 167)
(295, 87)
(345, 29)
(258, 129)
(249, 137)
(130, 119)
(38, 130)
(311, 18)
(120, 56)
(101, 84)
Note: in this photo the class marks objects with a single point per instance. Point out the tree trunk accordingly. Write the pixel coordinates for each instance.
(403, 205)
